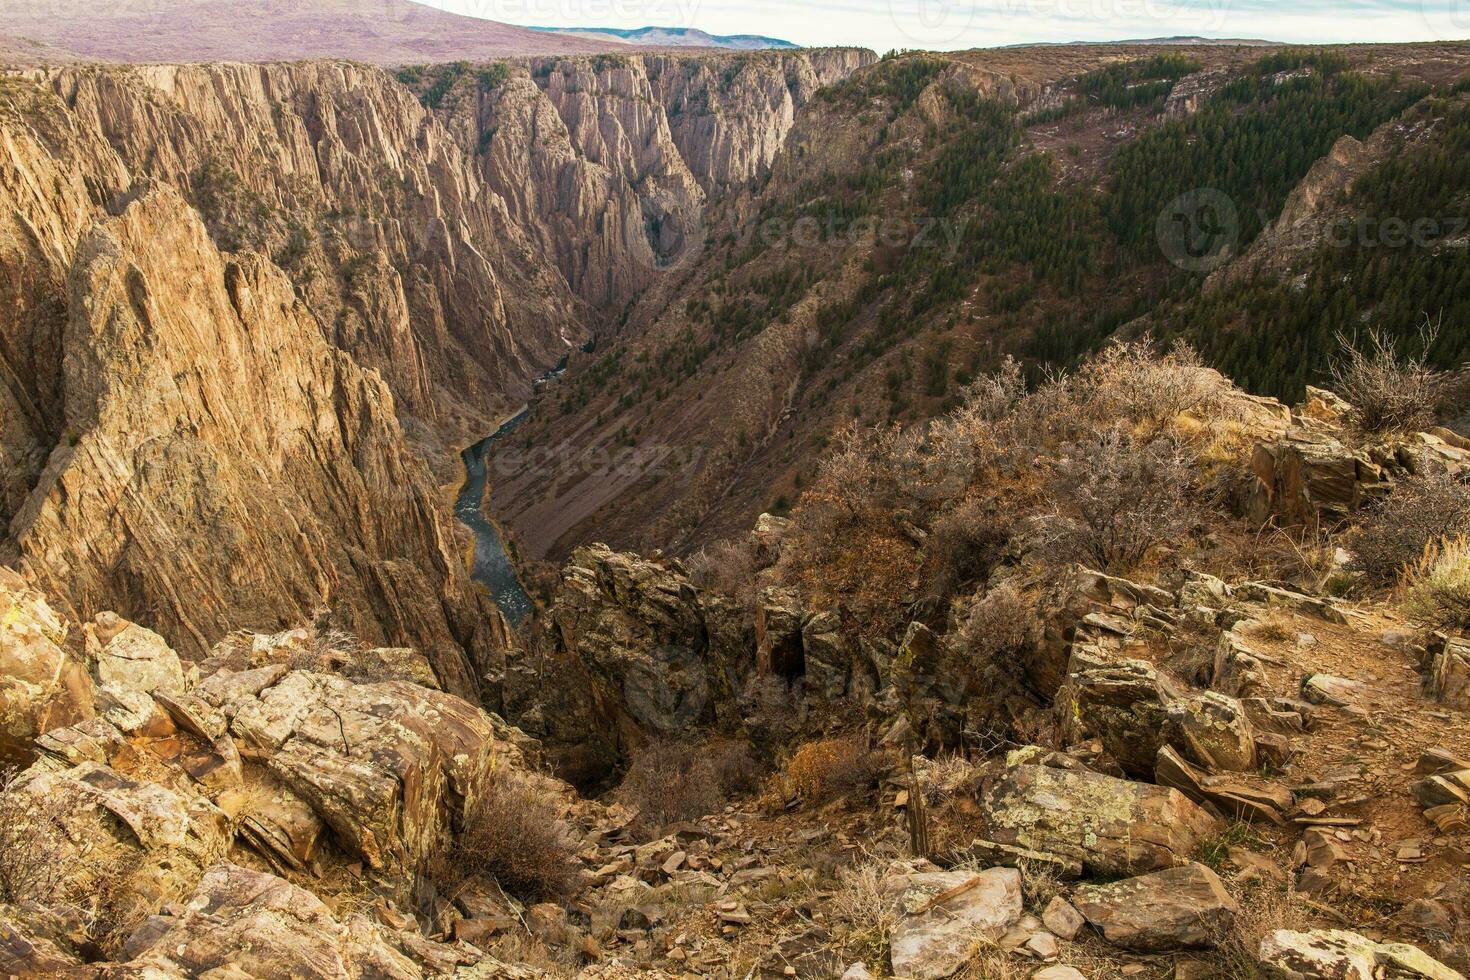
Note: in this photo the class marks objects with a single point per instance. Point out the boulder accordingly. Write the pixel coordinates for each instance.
(828, 655)
(41, 687)
(1062, 918)
(1212, 730)
(1305, 477)
(246, 923)
(131, 657)
(109, 829)
(942, 915)
(1177, 908)
(1126, 704)
(1237, 796)
(1334, 954)
(389, 767)
(1112, 826)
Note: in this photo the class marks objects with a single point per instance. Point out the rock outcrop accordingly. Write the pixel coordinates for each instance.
(223, 456)
(1111, 826)
(42, 686)
(1177, 908)
(389, 767)
(255, 924)
(628, 658)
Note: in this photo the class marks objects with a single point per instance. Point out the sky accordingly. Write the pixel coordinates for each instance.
(950, 24)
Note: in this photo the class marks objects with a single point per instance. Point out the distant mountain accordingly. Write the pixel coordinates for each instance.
(386, 32)
(671, 37)
(1179, 39)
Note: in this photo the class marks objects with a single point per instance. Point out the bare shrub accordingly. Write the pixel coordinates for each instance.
(726, 567)
(1131, 381)
(1115, 497)
(38, 866)
(670, 782)
(832, 768)
(1438, 586)
(1001, 623)
(34, 855)
(1420, 511)
(1389, 389)
(859, 496)
(513, 834)
(966, 543)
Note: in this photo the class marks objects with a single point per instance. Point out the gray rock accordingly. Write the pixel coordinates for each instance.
(828, 656)
(1334, 954)
(1213, 730)
(1112, 826)
(933, 940)
(1177, 908)
(1126, 705)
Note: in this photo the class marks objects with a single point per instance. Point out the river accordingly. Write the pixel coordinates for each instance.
(492, 566)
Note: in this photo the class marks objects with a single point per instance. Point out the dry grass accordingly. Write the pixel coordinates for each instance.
(832, 768)
(513, 835)
(1437, 587)
(1264, 908)
(865, 918)
(669, 781)
(1276, 627)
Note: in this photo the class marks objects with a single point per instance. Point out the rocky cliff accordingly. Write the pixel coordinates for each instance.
(610, 162)
(223, 464)
(252, 300)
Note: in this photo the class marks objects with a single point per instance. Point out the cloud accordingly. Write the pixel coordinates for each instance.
(952, 24)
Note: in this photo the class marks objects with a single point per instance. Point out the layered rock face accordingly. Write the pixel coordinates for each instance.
(610, 162)
(224, 464)
(207, 402)
(407, 259)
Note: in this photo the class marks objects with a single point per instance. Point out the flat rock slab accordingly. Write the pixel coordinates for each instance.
(1112, 826)
(1333, 954)
(1178, 908)
(945, 915)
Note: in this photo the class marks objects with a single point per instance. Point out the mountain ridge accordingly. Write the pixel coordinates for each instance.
(675, 37)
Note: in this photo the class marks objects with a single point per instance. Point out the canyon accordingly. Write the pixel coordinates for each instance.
(649, 513)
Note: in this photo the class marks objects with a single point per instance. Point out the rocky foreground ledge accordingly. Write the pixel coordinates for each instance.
(1181, 774)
